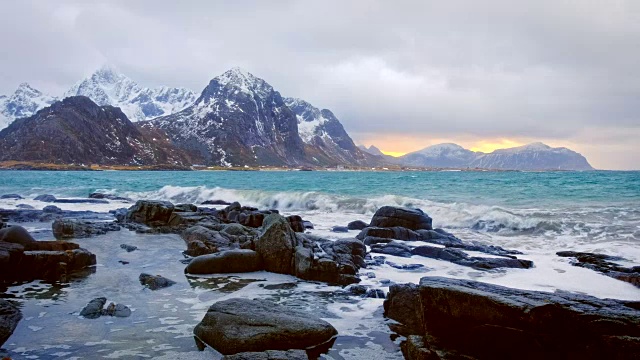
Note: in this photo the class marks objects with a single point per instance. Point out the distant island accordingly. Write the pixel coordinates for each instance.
(107, 121)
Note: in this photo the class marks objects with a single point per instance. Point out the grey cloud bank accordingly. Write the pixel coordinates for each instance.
(564, 72)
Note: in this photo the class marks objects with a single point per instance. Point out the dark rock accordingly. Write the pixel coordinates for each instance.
(185, 208)
(25, 206)
(117, 310)
(413, 219)
(51, 209)
(215, 202)
(97, 195)
(414, 348)
(375, 294)
(269, 355)
(394, 248)
(155, 282)
(45, 198)
(356, 289)
(128, 248)
(478, 320)
(276, 245)
(11, 196)
(371, 240)
(340, 229)
(16, 235)
(296, 223)
(459, 257)
(370, 275)
(151, 213)
(335, 262)
(203, 240)
(604, 264)
(395, 232)
(357, 225)
(80, 201)
(242, 325)
(10, 316)
(228, 261)
(74, 228)
(93, 310)
(123, 262)
(407, 266)
(307, 224)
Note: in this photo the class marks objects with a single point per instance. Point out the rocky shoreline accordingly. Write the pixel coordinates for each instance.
(440, 318)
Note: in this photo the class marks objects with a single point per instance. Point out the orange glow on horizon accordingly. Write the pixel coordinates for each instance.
(393, 153)
(487, 146)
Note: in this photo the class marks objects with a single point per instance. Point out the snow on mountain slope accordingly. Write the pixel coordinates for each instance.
(24, 102)
(108, 87)
(441, 155)
(535, 156)
(373, 150)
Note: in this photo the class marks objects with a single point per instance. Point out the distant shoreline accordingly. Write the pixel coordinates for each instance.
(35, 166)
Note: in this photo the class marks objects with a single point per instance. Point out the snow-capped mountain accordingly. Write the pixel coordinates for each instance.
(535, 156)
(324, 135)
(24, 102)
(373, 150)
(441, 155)
(238, 119)
(106, 86)
(78, 131)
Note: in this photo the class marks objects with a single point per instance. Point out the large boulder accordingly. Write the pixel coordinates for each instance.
(214, 238)
(477, 320)
(242, 325)
(276, 245)
(16, 235)
(229, 261)
(151, 213)
(10, 316)
(75, 228)
(390, 216)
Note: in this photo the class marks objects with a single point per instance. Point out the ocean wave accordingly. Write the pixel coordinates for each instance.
(481, 218)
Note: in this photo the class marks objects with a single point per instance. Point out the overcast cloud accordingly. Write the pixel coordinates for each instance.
(399, 74)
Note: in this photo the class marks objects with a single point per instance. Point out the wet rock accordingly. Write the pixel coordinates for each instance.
(93, 310)
(51, 209)
(10, 316)
(296, 223)
(25, 206)
(605, 264)
(339, 229)
(185, 208)
(128, 248)
(80, 201)
(371, 240)
(414, 348)
(334, 262)
(269, 355)
(74, 228)
(123, 262)
(155, 282)
(395, 232)
(228, 261)
(117, 310)
(413, 219)
(459, 257)
(356, 289)
(394, 248)
(375, 294)
(215, 202)
(307, 224)
(45, 198)
(214, 238)
(97, 195)
(241, 325)
(276, 245)
(357, 225)
(16, 235)
(478, 320)
(11, 196)
(407, 266)
(151, 213)
(370, 275)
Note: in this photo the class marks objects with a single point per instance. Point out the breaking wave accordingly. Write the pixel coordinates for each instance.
(605, 222)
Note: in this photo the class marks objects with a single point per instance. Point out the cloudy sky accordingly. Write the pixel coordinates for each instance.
(399, 74)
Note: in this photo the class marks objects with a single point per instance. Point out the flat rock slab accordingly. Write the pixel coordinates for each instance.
(270, 355)
(229, 261)
(241, 325)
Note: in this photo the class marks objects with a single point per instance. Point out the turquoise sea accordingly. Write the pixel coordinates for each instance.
(537, 213)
